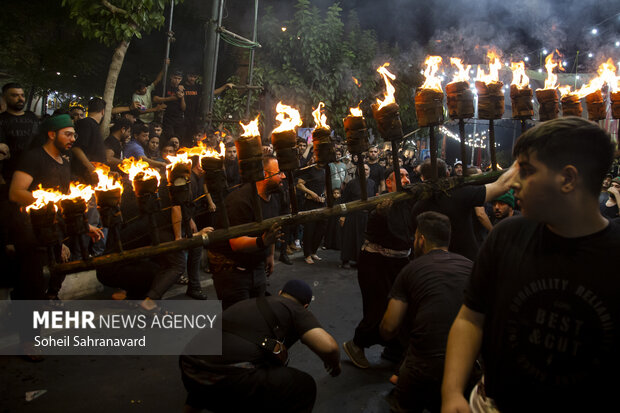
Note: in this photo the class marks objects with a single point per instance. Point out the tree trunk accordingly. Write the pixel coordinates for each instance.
(110, 84)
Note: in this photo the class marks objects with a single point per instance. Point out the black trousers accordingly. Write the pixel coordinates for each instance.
(269, 389)
(313, 231)
(375, 275)
(236, 285)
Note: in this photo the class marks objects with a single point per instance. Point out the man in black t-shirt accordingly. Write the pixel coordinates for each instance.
(377, 172)
(231, 167)
(543, 302)
(246, 377)
(174, 98)
(609, 207)
(18, 128)
(240, 266)
(89, 145)
(426, 296)
(120, 132)
(311, 183)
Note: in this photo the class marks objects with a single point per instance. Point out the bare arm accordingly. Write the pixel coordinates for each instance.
(18, 192)
(502, 185)
(393, 318)
(248, 244)
(324, 346)
(176, 218)
(81, 156)
(302, 187)
(159, 99)
(223, 88)
(464, 343)
(483, 218)
(110, 159)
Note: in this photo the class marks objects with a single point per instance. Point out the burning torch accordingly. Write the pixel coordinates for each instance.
(548, 96)
(73, 207)
(357, 142)
(490, 99)
(145, 181)
(324, 151)
(521, 95)
(178, 173)
(43, 218)
(387, 114)
(250, 156)
(212, 164)
(284, 140)
(108, 196)
(460, 100)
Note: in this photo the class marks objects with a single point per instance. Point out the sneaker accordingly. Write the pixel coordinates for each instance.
(316, 257)
(356, 354)
(309, 260)
(293, 247)
(196, 293)
(297, 244)
(285, 259)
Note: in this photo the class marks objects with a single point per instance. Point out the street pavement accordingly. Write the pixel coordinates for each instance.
(153, 383)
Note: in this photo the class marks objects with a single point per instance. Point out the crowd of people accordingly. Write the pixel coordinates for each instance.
(514, 274)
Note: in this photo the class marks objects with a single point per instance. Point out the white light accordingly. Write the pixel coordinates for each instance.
(527, 59)
(506, 64)
(73, 96)
(284, 29)
(590, 55)
(578, 77)
(58, 73)
(564, 63)
(471, 71)
(594, 31)
(421, 72)
(545, 51)
(617, 44)
(539, 70)
(532, 100)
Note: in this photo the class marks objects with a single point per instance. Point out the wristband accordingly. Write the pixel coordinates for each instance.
(260, 244)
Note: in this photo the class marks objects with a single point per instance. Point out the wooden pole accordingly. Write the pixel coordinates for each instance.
(292, 194)
(396, 165)
(329, 192)
(463, 147)
(361, 175)
(523, 126)
(421, 190)
(258, 212)
(433, 149)
(492, 145)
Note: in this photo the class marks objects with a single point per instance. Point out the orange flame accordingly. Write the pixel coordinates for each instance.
(320, 120)
(494, 66)
(432, 81)
(251, 129)
(389, 89)
(357, 82)
(43, 196)
(552, 79)
(134, 167)
(606, 74)
(356, 111)
(207, 152)
(463, 74)
(106, 182)
(83, 191)
(519, 78)
(288, 117)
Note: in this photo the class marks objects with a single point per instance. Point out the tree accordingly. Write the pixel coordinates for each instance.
(115, 25)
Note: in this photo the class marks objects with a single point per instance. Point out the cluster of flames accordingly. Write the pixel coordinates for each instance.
(139, 169)
(43, 196)
(320, 119)
(288, 117)
(251, 129)
(606, 74)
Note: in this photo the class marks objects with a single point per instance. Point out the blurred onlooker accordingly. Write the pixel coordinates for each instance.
(152, 150)
(377, 172)
(155, 129)
(338, 171)
(174, 98)
(174, 141)
(120, 133)
(609, 208)
(231, 167)
(77, 112)
(166, 150)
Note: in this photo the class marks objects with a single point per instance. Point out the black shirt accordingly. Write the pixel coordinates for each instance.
(88, 139)
(173, 110)
(608, 212)
(240, 211)
(394, 230)
(233, 177)
(377, 174)
(193, 95)
(433, 287)
(457, 205)
(115, 146)
(352, 190)
(552, 317)
(18, 133)
(45, 170)
(314, 179)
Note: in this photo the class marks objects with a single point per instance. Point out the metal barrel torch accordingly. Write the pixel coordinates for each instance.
(250, 156)
(460, 101)
(387, 114)
(145, 181)
(548, 102)
(108, 194)
(73, 207)
(324, 151)
(521, 95)
(43, 220)
(491, 99)
(178, 173)
(212, 163)
(284, 141)
(356, 134)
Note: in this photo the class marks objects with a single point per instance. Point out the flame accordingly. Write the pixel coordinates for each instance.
(606, 74)
(133, 167)
(432, 81)
(83, 191)
(357, 82)
(251, 129)
(519, 78)
(356, 111)
(494, 66)
(42, 197)
(552, 79)
(389, 89)
(463, 73)
(106, 182)
(320, 120)
(288, 117)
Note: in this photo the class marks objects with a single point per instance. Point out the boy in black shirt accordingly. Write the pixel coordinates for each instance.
(543, 302)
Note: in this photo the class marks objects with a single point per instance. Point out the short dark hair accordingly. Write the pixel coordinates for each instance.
(96, 105)
(435, 227)
(570, 141)
(138, 84)
(427, 171)
(120, 124)
(229, 145)
(10, 85)
(139, 128)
